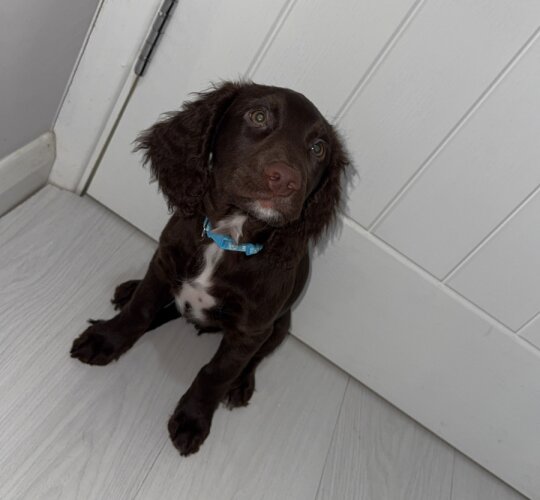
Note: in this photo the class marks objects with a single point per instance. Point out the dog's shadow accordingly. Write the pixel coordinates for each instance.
(181, 353)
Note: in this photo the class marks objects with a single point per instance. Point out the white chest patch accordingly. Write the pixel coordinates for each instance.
(194, 298)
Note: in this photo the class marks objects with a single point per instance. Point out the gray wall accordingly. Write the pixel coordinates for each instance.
(39, 44)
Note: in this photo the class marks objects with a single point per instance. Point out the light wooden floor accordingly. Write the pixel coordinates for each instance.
(72, 431)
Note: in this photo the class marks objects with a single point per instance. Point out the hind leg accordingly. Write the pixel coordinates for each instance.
(123, 293)
(243, 387)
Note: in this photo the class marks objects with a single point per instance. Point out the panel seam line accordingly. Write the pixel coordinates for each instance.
(269, 38)
(379, 59)
(491, 234)
(526, 324)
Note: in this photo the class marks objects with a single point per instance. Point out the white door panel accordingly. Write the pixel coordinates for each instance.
(486, 171)
(399, 75)
(440, 66)
(503, 276)
(326, 67)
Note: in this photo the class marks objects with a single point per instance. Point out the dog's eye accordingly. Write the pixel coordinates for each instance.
(259, 117)
(318, 149)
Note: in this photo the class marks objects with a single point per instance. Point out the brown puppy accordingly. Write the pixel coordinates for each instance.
(263, 168)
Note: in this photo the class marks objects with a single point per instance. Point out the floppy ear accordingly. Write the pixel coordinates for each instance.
(178, 148)
(323, 204)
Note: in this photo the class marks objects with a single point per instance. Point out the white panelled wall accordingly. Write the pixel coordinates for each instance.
(434, 282)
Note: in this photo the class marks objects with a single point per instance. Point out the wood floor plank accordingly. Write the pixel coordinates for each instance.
(273, 449)
(54, 274)
(97, 437)
(472, 482)
(62, 424)
(378, 453)
(14, 222)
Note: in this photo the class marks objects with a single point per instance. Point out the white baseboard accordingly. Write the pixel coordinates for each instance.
(26, 170)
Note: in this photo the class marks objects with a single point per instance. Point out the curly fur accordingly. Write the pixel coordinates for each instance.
(179, 148)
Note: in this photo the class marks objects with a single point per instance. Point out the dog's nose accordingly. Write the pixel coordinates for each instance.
(282, 179)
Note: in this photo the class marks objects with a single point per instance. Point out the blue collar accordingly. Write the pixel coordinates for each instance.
(227, 243)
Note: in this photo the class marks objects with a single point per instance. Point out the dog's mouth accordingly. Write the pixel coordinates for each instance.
(266, 211)
(275, 211)
(263, 205)
(266, 203)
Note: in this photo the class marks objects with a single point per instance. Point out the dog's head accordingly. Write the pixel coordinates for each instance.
(264, 150)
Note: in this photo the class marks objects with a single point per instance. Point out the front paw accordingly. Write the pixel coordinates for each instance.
(188, 430)
(95, 346)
